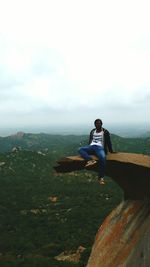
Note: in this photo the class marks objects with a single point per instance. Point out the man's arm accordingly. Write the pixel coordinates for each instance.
(109, 144)
(91, 136)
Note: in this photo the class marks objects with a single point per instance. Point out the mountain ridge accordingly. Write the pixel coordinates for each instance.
(31, 141)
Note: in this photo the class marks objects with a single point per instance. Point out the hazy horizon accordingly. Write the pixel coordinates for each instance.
(123, 130)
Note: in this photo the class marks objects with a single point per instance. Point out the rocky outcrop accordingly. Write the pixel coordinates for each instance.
(123, 240)
(71, 256)
(130, 171)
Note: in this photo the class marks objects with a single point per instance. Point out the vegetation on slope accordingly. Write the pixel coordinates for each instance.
(34, 227)
(43, 213)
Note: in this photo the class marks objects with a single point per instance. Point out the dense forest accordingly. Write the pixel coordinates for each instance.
(44, 214)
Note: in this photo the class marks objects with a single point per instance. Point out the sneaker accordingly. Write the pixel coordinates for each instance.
(90, 163)
(101, 181)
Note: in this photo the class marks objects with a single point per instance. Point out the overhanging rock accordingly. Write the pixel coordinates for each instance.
(123, 240)
(131, 171)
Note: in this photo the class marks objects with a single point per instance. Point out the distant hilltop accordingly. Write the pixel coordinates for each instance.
(70, 143)
(18, 135)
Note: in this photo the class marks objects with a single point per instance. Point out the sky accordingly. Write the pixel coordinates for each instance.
(69, 62)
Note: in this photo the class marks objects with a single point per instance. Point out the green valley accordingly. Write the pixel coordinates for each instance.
(44, 213)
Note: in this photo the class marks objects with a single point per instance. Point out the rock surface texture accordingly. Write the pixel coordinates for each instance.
(123, 240)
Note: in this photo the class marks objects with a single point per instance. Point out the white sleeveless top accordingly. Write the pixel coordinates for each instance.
(98, 139)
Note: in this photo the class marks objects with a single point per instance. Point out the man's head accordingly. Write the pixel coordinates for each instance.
(98, 123)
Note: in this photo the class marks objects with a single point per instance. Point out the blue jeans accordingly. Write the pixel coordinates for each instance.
(86, 151)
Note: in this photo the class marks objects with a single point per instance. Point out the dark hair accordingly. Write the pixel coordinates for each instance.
(98, 120)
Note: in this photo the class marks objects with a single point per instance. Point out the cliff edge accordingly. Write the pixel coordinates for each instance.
(123, 240)
(131, 171)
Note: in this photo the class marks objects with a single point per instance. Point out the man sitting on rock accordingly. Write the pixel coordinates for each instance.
(99, 141)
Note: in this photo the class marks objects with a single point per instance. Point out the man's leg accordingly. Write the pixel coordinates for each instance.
(85, 151)
(100, 153)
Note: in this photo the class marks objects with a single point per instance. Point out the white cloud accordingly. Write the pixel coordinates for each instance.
(74, 56)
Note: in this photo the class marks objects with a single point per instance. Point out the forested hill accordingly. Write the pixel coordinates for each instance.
(68, 143)
(45, 214)
(29, 141)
